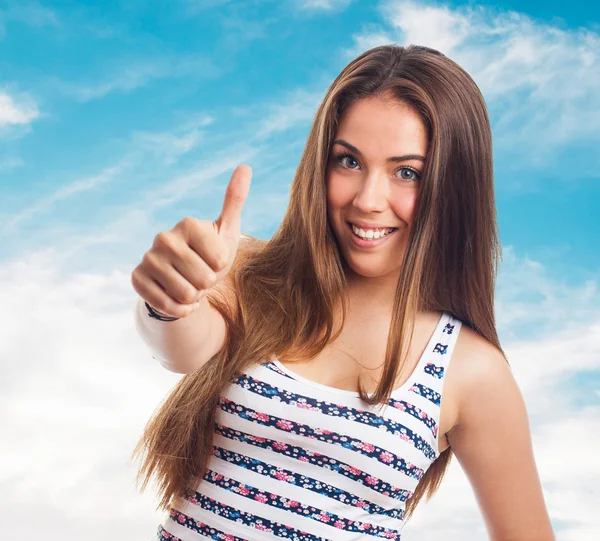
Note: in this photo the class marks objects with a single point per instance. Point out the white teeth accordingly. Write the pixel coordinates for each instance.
(370, 234)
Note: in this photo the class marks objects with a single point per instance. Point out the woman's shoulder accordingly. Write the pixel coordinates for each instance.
(475, 353)
(478, 365)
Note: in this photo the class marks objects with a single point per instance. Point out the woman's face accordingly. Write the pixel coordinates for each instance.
(373, 178)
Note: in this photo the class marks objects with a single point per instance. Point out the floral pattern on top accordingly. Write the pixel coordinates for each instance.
(435, 371)
(321, 434)
(333, 410)
(249, 519)
(294, 506)
(427, 393)
(304, 481)
(322, 461)
(196, 526)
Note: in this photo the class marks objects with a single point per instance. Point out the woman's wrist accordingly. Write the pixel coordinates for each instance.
(156, 314)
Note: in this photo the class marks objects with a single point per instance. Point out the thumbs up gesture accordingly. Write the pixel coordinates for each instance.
(184, 263)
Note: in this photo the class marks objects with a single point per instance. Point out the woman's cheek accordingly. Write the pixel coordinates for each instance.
(404, 205)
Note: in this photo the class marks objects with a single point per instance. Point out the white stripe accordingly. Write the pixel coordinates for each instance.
(302, 495)
(364, 463)
(274, 514)
(379, 437)
(316, 472)
(222, 523)
(339, 423)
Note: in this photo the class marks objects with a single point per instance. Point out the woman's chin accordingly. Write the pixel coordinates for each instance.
(372, 271)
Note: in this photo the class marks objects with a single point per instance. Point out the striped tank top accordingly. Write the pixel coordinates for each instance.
(296, 460)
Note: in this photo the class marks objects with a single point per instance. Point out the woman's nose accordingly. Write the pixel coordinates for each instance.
(372, 195)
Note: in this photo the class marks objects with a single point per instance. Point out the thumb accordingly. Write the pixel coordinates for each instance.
(229, 222)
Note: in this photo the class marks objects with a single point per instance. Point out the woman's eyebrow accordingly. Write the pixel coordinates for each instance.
(404, 158)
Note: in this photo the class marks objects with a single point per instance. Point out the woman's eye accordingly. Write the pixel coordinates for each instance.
(413, 174)
(343, 157)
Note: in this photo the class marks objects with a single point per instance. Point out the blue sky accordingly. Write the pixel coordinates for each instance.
(118, 119)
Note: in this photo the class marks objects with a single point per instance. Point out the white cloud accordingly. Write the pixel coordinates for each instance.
(16, 110)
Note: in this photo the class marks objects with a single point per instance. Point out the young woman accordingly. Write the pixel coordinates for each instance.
(319, 400)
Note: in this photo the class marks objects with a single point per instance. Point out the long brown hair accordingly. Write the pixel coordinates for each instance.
(288, 288)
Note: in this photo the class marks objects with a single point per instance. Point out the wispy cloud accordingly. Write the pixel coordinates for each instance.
(324, 5)
(127, 76)
(9, 163)
(26, 12)
(171, 145)
(46, 203)
(542, 82)
(297, 108)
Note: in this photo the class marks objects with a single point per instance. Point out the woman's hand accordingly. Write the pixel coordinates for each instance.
(185, 262)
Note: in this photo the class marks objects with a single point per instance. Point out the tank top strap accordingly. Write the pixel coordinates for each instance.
(429, 376)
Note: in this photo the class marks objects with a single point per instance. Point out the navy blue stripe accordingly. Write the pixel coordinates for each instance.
(196, 526)
(334, 438)
(249, 519)
(267, 390)
(427, 393)
(303, 481)
(322, 461)
(297, 508)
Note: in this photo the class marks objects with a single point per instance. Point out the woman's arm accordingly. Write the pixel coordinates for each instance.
(492, 442)
(185, 345)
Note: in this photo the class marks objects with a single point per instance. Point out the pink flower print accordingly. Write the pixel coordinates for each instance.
(323, 517)
(261, 527)
(362, 504)
(261, 416)
(353, 470)
(371, 480)
(260, 498)
(367, 447)
(243, 491)
(294, 503)
(339, 524)
(181, 519)
(229, 537)
(386, 457)
(422, 415)
(280, 475)
(284, 425)
(303, 459)
(280, 446)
